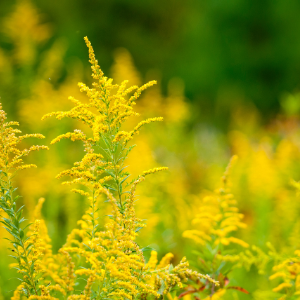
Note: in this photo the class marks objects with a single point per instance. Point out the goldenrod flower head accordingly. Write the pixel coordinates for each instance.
(218, 217)
(11, 157)
(288, 272)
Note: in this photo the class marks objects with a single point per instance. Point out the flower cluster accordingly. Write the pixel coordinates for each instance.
(287, 275)
(218, 217)
(216, 221)
(11, 157)
(115, 264)
(27, 250)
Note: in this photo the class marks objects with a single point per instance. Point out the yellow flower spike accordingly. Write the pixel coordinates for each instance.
(238, 241)
(282, 286)
(23, 167)
(152, 261)
(56, 288)
(217, 219)
(140, 89)
(76, 136)
(122, 134)
(150, 120)
(165, 261)
(18, 292)
(155, 170)
(80, 192)
(278, 274)
(10, 143)
(97, 73)
(218, 216)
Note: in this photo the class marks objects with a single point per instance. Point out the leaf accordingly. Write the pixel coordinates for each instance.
(124, 179)
(222, 264)
(138, 229)
(29, 246)
(238, 288)
(15, 244)
(19, 210)
(6, 220)
(127, 192)
(88, 247)
(27, 226)
(32, 268)
(16, 223)
(17, 197)
(6, 224)
(15, 257)
(110, 173)
(148, 248)
(14, 235)
(124, 168)
(22, 220)
(196, 252)
(162, 288)
(191, 290)
(97, 228)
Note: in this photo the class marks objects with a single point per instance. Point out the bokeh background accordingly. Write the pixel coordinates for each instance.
(228, 83)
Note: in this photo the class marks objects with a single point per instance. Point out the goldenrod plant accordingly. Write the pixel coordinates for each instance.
(286, 273)
(109, 260)
(26, 250)
(217, 219)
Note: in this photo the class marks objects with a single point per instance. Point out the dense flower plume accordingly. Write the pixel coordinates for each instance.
(11, 157)
(27, 250)
(218, 217)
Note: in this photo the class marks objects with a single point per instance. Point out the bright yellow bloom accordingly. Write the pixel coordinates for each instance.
(218, 217)
(288, 271)
(282, 286)
(11, 157)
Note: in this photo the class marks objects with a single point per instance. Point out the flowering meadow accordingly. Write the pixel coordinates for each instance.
(110, 191)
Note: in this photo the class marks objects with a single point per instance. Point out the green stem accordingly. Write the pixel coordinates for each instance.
(21, 239)
(102, 284)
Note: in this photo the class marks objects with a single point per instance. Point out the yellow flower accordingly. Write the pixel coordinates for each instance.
(218, 217)
(282, 286)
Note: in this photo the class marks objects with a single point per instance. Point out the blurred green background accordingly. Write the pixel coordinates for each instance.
(223, 51)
